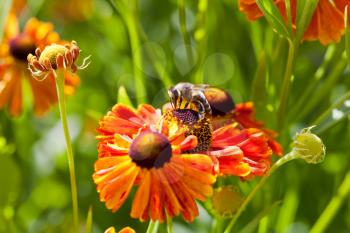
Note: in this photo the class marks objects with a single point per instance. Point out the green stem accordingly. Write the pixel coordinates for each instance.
(120, 9)
(152, 227)
(311, 87)
(288, 157)
(286, 83)
(131, 22)
(201, 38)
(338, 103)
(169, 222)
(332, 208)
(70, 156)
(324, 90)
(185, 35)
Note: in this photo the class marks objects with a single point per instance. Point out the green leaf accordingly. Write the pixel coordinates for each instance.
(347, 34)
(123, 97)
(11, 184)
(274, 17)
(4, 10)
(305, 11)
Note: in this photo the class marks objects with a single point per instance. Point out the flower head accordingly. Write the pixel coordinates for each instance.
(14, 49)
(309, 146)
(152, 158)
(226, 201)
(244, 153)
(54, 57)
(327, 23)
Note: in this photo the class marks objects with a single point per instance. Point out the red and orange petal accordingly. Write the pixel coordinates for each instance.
(327, 23)
(126, 121)
(256, 152)
(245, 115)
(171, 189)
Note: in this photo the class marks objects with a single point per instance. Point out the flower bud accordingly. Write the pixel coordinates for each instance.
(226, 201)
(309, 146)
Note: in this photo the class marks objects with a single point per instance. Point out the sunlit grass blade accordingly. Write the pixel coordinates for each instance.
(323, 91)
(89, 221)
(274, 17)
(347, 34)
(333, 207)
(334, 114)
(288, 209)
(253, 224)
(4, 10)
(123, 97)
(330, 54)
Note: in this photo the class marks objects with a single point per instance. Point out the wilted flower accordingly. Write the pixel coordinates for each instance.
(309, 146)
(14, 50)
(55, 57)
(133, 152)
(327, 23)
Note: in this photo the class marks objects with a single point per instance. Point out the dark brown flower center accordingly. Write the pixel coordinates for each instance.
(21, 46)
(187, 116)
(219, 100)
(150, 150)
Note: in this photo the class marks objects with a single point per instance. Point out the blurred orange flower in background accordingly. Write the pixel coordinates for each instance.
(14, 48)
(327, 23)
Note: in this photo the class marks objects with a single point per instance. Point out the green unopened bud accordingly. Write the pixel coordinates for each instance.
(309, 146)
(226, 201)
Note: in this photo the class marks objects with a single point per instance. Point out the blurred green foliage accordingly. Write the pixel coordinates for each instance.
(225, 50)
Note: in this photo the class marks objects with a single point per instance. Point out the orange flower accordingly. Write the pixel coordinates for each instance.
(14, 49)
(169, 181)
(327, 23)
(241, 152)
(124, 121)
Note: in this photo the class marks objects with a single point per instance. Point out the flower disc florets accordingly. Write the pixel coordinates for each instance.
(55, 57)
(150, 149)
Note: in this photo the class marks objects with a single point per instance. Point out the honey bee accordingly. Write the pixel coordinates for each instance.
(190, 96)
(203, 98)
